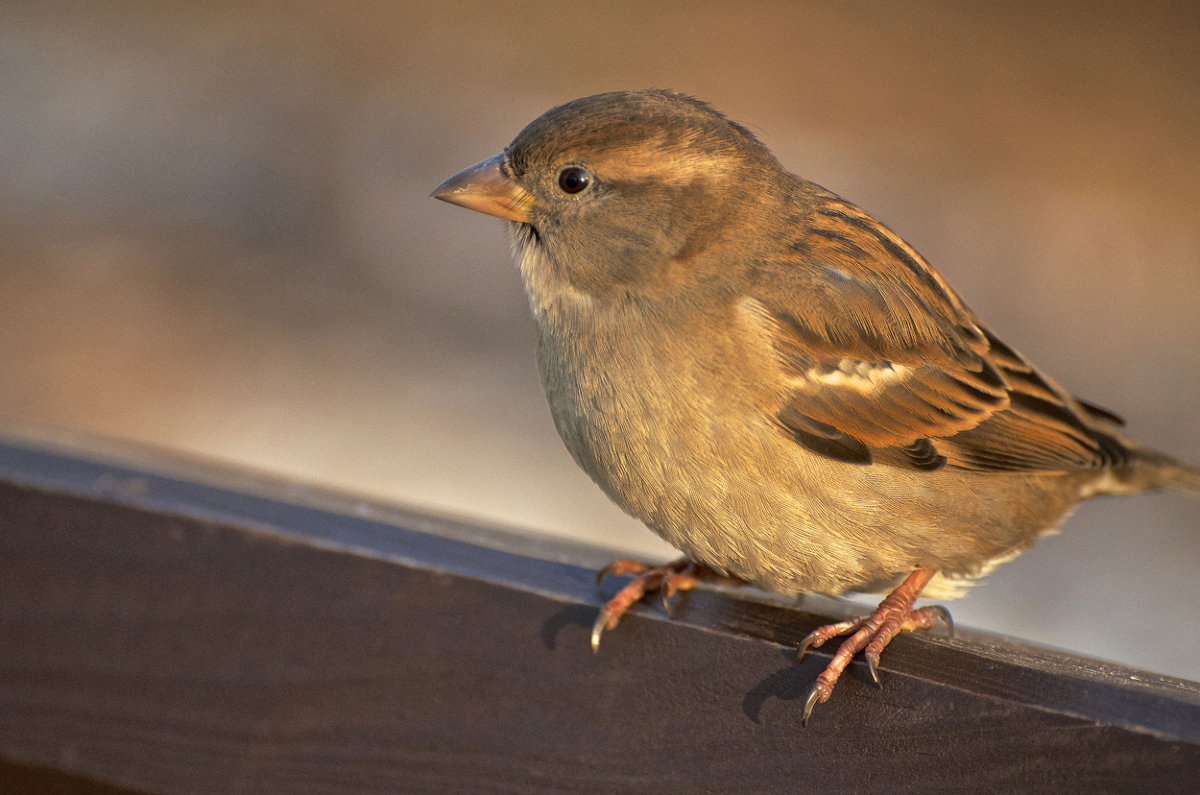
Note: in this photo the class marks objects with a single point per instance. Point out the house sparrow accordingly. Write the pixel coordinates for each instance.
(772, 380)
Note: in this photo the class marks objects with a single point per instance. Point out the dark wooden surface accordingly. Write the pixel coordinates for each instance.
(158, 633)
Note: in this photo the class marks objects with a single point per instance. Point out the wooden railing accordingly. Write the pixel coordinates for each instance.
(178, 628)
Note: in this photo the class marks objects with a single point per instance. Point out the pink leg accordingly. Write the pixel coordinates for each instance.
(873, 632)
(670, 579)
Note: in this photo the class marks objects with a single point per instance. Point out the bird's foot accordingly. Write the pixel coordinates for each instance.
(669, 579)
(873, 632)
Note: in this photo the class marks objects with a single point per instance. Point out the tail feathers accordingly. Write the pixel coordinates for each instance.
(1182, 477)
(1148, 471)
(1156, 470)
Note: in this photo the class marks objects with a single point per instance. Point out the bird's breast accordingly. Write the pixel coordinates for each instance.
(613, 394)
(622, 399)
(649, 408)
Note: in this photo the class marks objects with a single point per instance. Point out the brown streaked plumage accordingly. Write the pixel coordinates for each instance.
(772, 380)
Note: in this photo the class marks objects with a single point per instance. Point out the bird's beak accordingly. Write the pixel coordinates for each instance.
(484, 187)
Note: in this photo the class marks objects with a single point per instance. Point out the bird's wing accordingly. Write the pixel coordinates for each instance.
(882, 361)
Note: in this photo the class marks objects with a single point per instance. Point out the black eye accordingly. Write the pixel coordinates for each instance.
(573, 179)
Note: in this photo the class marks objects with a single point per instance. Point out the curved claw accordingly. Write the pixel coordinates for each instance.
(604, 572)
(946, 618)
(598, 628)
(806, 646)
(814, 698)
(873, 669)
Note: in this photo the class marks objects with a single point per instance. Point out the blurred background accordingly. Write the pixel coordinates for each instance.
(215, 237)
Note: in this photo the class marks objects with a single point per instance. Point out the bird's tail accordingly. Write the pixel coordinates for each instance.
(1183, 477)
(1149, 470)
(1157, 470)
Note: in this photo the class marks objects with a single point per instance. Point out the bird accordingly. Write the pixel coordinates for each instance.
(774, 381)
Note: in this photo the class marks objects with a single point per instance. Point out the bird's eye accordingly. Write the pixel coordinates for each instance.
(573, 179)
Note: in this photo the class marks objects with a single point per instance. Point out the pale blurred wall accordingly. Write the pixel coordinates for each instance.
(216, 236)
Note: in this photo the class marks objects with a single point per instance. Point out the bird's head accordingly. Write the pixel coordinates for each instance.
(625, 191)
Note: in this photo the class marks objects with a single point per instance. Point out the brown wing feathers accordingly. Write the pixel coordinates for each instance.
(933, 388)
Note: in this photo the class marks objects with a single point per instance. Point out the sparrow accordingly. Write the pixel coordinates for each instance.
(772, 380)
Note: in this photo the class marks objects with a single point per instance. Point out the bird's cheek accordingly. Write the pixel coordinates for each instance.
(587, 259)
